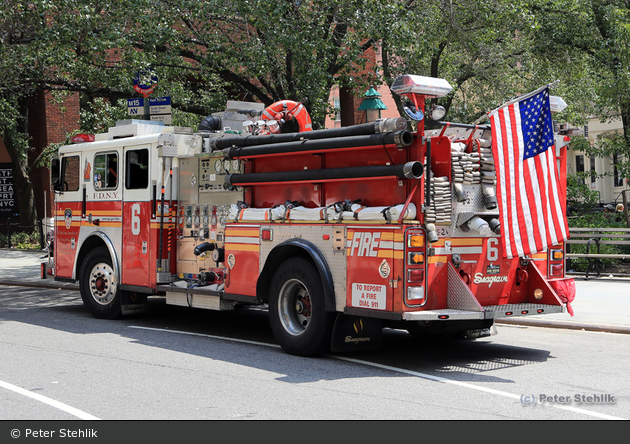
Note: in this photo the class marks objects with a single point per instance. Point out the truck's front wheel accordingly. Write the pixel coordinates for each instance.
(298, 317)
(97, 283)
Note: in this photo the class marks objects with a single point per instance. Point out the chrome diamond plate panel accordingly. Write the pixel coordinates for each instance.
(459, 295)
(336, 259)
(463, 211)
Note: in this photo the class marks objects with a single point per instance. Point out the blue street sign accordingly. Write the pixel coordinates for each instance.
(135, 107)
(159, 101)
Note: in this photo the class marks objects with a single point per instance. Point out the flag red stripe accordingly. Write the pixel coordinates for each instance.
(508, 188)
(528, 190)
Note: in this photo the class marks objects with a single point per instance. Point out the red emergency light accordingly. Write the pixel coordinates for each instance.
(80, 138)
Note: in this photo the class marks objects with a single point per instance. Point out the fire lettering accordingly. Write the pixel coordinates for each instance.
(365, 244)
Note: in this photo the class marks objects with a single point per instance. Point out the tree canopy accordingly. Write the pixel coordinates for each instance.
(206, 51)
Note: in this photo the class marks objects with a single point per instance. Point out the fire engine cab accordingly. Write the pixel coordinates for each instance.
(338, 232)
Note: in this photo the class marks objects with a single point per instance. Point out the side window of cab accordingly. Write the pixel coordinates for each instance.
(106, 171)
(70, 173)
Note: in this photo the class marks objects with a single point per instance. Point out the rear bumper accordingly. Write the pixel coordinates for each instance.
(488, 312)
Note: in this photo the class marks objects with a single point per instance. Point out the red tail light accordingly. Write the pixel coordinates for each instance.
(416, 275)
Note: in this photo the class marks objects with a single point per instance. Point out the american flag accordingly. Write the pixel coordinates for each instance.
(528, 188)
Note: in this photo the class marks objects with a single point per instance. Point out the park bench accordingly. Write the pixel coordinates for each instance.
(593, 238)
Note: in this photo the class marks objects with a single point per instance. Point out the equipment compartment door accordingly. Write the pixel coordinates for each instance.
(372, 254)
(136, 261)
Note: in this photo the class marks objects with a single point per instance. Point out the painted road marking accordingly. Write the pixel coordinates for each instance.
(401, 370)
(51, 402)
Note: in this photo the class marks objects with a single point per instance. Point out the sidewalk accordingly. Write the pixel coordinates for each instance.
(601, 304)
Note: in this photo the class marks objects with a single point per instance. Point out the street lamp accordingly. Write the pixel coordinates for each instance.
(372, 105)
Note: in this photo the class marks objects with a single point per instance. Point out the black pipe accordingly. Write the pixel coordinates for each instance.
(202, 248)
(400, 139)
(409, 170)
(378, 127)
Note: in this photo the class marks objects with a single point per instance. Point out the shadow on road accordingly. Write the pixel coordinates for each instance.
(462, 360)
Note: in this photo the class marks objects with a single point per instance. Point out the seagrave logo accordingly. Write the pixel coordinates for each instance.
(481, 279)
(355, 340)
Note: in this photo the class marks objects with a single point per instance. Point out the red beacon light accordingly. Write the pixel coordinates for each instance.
(80, 138)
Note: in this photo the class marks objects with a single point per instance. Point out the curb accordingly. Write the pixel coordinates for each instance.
(51, 285)
(568, 325)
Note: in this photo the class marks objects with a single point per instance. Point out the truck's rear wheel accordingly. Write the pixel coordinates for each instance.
(298, 317)
(99, 290)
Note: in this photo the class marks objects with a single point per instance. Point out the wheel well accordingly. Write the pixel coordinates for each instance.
(274, 260)
(292, 249)
(89, 244)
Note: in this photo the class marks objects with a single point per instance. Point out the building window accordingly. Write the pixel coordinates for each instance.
(137, 169)
(106, 171)
(617, 179)
(593, 172)
(337, 111)
(579, 167)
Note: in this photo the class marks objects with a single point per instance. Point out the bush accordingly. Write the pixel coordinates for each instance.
(25, 240)
(580, 198)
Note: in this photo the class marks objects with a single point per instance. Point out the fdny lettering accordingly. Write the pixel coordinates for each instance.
(365, 244)
(105, 195)
(481, 279)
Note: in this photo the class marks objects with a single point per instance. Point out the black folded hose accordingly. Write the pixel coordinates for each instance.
(409, 170)
(378, 127)
(400, 139)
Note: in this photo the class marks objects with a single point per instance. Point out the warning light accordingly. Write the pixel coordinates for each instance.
(416, 258)
(79, 138)
(416, 241)
(267, 234)
(416, 275)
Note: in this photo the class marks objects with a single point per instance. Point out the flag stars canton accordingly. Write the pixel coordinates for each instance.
(536, 124)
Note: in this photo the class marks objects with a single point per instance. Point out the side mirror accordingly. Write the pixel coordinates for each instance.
(55, 174)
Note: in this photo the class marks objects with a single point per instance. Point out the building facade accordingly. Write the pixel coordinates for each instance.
(604, 178)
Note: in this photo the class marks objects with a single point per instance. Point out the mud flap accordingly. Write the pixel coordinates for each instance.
(133, 303)
(354, 333)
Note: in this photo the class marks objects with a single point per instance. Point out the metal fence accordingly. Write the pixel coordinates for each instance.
(12, 225)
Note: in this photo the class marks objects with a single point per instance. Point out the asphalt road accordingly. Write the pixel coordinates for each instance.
(59, 363)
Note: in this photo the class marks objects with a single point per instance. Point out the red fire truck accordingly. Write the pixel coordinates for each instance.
(339, 232)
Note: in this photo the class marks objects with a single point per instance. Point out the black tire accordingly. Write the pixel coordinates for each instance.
(298, 318)
(101, 296)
